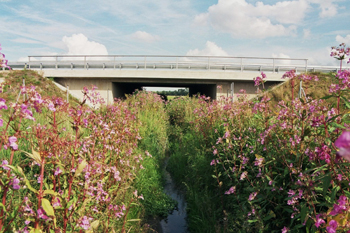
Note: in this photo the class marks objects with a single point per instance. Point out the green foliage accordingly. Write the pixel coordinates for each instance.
(179, 92)
(153, 131)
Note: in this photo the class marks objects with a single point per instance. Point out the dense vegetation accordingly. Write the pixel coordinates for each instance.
(279, 162)
(68, 167)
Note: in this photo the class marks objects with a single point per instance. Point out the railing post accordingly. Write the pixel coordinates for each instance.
(241, 64)
(25, 66)
(67, 89)
(24, 85)
(177, 62)
(305, 65)
(56, 62)
(273, 62)
(145, 63)
(208, 63)
(232, 90)
(107, 96)
(114, 62)
(84, 62)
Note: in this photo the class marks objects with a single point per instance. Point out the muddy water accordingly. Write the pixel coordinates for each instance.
(176, 221)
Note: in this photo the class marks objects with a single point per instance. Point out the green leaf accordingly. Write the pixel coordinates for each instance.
(270, 215)
(346, 102)
(94, 224)
(51, 192)
(134, 220)
(326, 182)
(251, 221)
(20, 170)
(12, 167)
(35, 156)
(29, 186)
(80, 168)
(334, 193)
(326, 97)
(47, 207)
(338, 125)
(303, 212)
(3, 207)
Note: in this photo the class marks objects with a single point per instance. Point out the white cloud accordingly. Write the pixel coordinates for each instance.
(25, 41)
(282, 61)
(145, 36)
(242, 19)
(341, 39)
(306, 33)
(211, 49)
(201, 19)
(78, 44)
(328, 8)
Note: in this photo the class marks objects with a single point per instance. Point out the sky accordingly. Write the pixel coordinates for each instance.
(266, 28)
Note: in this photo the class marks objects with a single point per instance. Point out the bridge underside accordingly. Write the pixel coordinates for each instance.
(120, 89)
(111, 88)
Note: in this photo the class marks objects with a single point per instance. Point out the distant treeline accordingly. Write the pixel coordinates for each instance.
(179, 92)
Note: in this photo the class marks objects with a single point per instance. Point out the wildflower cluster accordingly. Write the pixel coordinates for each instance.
(341, 52)
(79, 166)
(277, 168)
(3, 61)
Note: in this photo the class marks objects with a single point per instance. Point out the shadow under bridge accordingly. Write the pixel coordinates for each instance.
(120, 89)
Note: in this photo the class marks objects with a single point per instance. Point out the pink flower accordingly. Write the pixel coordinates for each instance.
(343, 143)
(3, 165)
(58, 171)
(259, 80)
(15, 183)
(13, 144)
(41, 214)
(243, 175)
(85, 222)
(340, 207)
(213, 162)
(2, 104)
(231, 190)
(51, 107)
(56, 202)
(290, 74)
(285, 229)
(319, 221)
(252, 196)
(332, 228)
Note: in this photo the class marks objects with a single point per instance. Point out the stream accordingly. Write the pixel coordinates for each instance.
(176, 220)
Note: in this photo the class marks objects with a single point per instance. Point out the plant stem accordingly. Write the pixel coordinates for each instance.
(5, 192)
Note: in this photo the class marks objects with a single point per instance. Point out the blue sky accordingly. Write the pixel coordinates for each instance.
(267, 28)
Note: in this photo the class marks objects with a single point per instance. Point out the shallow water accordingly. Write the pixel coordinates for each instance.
(176, 221)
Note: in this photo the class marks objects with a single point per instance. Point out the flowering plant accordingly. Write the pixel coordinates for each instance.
(3, 61)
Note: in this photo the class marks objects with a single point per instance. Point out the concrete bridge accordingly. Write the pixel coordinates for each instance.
(117, 75)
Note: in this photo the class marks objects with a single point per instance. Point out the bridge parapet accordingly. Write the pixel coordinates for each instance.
(164, 62)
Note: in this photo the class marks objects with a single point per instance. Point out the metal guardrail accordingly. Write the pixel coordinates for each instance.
(215, 63)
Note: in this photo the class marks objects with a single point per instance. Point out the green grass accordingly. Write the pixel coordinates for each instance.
(13, 80)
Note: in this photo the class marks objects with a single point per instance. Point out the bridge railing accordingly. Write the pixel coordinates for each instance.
(224, 63)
